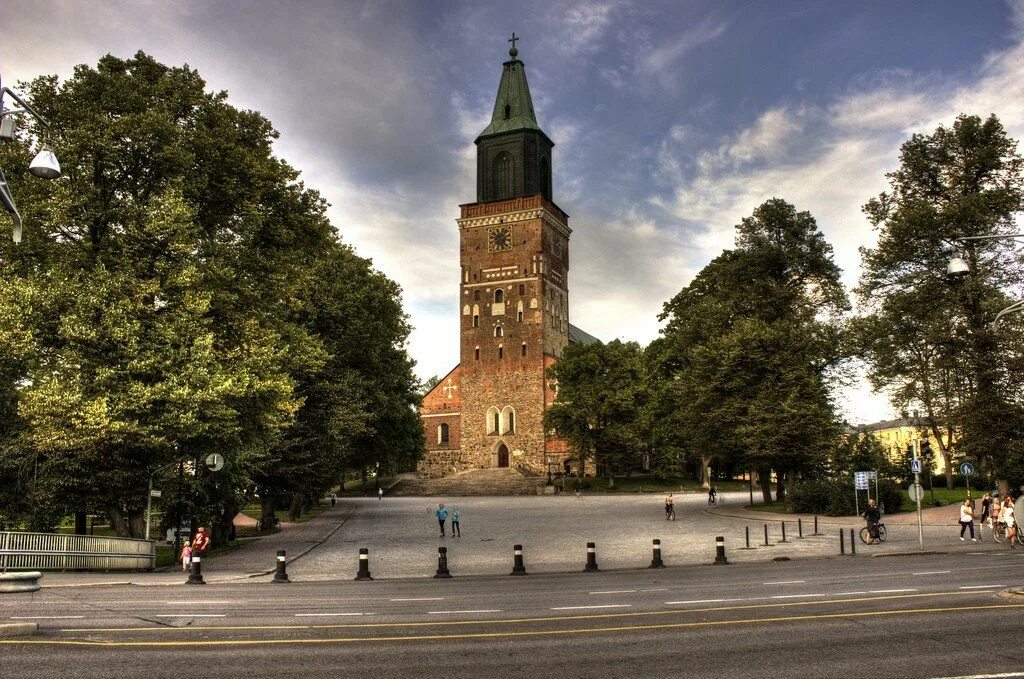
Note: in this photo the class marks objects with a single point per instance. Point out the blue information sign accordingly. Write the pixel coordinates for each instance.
(915, 466)
(967, 469)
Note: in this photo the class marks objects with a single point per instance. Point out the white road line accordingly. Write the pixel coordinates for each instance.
(614, 591)
(980, 586)
(656, 589)
(429, 598)
(931, 573)
(47, 617)
(1004, 675)
(847, 593)
(577, 608)
(482, 610)
(193, 603)
(785, 582)
(889, 591)
(192, 615)
(702, 601)
(795, 596)
(326, 615)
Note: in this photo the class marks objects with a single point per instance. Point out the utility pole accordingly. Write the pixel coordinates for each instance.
(918, 491)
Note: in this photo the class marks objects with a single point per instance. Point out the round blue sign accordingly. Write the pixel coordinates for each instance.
(967, 469)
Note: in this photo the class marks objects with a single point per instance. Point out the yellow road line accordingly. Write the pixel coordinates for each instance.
(550, 618)
(493, 635)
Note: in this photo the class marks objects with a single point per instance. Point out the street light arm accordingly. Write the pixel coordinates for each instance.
(28, 108)
(990, 237)
(1013, 308)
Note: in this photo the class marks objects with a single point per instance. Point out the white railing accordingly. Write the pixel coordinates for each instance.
(61, 551)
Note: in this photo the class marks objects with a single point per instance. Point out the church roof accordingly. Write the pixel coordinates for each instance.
(513, 93)
(577, 336)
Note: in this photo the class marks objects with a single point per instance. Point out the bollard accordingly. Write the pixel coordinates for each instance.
(720, 559)
(591, 566)
(442, 563)
(816, 525)
(746, 535)
(800, 529)
(517, 561)
(842, 546)
(853, 546)
(656, 562)
(281, 575)
(783, 532)
(766, 543)
(195, 576)
(364, 565)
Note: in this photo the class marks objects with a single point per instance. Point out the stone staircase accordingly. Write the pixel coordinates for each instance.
(474, 482)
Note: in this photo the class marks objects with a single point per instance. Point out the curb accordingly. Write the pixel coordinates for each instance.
(18, 629)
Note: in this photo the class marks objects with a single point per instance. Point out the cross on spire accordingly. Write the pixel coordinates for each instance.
(513, 52)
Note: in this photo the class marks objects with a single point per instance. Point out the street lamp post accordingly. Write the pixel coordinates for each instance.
(959, 267)
(44, 165)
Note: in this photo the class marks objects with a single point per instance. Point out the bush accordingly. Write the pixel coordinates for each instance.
(834, 497)
(891, 496)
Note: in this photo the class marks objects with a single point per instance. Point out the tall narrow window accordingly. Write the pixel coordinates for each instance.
(476, 354)
(476, 321)
(524, 348)
(522, 288)
(499, 296)
(442, 434)
(503, 173)
(501, 352)
(545, 178)
(476, 295)
(508, 111)
(499, 331)
(519, 312)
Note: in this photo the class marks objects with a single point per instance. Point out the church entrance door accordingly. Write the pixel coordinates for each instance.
(502, 455)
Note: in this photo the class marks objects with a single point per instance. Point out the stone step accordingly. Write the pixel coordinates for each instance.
(475, 482)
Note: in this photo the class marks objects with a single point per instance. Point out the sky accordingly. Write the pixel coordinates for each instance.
(672, 119)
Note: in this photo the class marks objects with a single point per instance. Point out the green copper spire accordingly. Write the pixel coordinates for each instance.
(513, 107)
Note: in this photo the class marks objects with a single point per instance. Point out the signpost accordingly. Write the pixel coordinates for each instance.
(915, 491)
(156, 493)
(915, 466)
(860, 482)
(967, 469)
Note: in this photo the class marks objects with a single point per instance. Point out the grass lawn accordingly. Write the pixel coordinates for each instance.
(952, 496)
(776, 508)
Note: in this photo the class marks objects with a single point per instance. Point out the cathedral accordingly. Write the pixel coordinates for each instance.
(488, 411)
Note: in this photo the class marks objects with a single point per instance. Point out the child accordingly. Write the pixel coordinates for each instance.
(186, 555)
(456, 529)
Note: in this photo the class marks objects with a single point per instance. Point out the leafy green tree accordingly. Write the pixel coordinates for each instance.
(928, 339)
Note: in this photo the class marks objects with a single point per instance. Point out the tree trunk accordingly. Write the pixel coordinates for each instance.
(780, 486)
(80, 523)
(117, 521)
(764, 480)
(267, 514)
(705, 478)
(296, 508)
(137, 523)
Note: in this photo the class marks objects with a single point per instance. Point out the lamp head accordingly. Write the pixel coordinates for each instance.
(957, 266)
(45, 165)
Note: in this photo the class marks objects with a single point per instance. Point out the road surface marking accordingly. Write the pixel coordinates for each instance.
(192, 615)
(848, 593)
(795, 596)
(47, 617)
(786, 582)
(614, 591)
(507, 634)
(428, 598)
(1004, 675)
(702, 601)
(326, 615)
(197, 601)
(482, 610)
(889, 591)
(578, 608)
(981, 586)
(656, 589)
(549, 618)
(931, 573)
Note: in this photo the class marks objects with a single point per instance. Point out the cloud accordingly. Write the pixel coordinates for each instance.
(661, 60)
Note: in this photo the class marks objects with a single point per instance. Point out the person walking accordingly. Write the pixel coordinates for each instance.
(380, 493)
(712, 494)
(200, 543)
(670, 508)
(1006, 516)
(873, 517)
(967, 519)
(984, 517)
(186, 555)
(442, 516)
(334, 499)
(455, 523)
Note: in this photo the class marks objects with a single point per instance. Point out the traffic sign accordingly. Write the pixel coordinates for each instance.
(967, 469)
(915, 466)
(215, 462)
(916, 492)
(860, 480)
(155, 493)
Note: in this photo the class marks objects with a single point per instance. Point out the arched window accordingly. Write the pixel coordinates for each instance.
(442, 435)
(493, 420)
(476, 321)
(519, 312)
(508, 111)
(524, 348)
(508, 420)
(476, 354)
(498, 331)
(545, 177)
(499, 296)
(503, 173)
(501, 351)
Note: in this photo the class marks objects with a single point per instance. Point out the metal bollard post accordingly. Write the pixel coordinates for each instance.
(656, 562)
(442, 563)
(800, 528)
(517, 561)
(591, 566)
(720, 559)
(766, 543)
(746, 536)
(195, 576)
(816, 525)
(853, 546)
(842, 545)
(783, 532)
(364, 565)
(281, 575)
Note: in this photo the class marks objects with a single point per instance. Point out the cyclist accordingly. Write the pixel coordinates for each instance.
(872, 516)
(1006, 517)
(712, 494)
(670, 508)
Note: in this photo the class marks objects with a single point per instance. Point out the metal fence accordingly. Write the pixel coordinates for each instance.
(58, 551)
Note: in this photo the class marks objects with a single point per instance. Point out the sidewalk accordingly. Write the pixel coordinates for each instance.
(256, 558)
(931, 516)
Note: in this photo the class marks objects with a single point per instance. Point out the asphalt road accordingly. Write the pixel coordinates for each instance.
(920, 616)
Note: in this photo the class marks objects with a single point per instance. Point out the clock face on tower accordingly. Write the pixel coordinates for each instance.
(499, 239)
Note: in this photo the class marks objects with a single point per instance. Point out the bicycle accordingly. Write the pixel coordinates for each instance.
(999, 533)
(670, 513)
(712, 500)
(865, 534)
